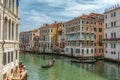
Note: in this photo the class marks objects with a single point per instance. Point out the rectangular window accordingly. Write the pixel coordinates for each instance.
(16, 54)
(95, 51)
(87, 28)
(114, 53)
(105, 16)
(114, 13)
(114, 23)
(87, 22)
(114, 45)
(106, 35)
(91, 50)
(111, 52)
(95, 44)
(111, 45)
(8, 57)
(99, 50)
(95, 23)
(111, 14)
(77, 50)
(4, 58)
(11, 56)
(114, 35)
(95, 29)
(95, 36)
(105, 45)
(100, 29)
(111, 35)
(82, 21)
(106, 52)
(82, 28)
(100, 43)
(111, 24)
(106, 25)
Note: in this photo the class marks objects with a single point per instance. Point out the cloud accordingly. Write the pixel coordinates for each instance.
(35, 16)
(37, 12)
(73, 8)
(33, 19)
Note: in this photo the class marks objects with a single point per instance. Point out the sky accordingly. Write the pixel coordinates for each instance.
(34, 13)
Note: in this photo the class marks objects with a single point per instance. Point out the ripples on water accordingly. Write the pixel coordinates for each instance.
(66, 70)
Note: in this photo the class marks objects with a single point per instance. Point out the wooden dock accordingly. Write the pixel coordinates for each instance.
(20, 76)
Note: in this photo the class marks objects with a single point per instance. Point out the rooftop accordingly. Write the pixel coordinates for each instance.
(112, 8)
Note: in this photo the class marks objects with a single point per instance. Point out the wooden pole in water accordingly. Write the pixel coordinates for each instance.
(118, 58)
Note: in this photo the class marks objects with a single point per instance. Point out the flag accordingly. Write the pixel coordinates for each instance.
(17, 2)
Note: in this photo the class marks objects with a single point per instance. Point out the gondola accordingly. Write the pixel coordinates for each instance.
(48, 65)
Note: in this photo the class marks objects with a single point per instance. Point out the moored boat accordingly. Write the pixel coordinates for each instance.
(83, 61)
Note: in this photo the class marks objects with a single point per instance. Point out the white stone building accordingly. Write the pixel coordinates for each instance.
(112, 33)
(26, 40)
(9, 37)
(45, 36)
(61, 39)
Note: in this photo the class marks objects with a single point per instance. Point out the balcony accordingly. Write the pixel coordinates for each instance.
(111, 39)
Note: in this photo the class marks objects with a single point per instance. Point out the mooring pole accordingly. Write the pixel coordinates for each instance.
(118, 58)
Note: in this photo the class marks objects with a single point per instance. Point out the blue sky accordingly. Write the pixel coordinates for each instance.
(37, 12)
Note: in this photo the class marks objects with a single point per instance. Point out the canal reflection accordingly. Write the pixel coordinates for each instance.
(66, 70)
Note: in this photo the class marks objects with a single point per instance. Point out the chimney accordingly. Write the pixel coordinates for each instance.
(55, 21)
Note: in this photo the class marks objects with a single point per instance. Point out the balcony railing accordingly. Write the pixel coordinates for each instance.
(111, 39)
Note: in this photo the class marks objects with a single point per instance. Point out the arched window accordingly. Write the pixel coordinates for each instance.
(17, 32)
(9, 31)
(12, 30)
(5, 29)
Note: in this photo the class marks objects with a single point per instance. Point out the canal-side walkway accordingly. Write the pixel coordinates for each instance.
(61, 54)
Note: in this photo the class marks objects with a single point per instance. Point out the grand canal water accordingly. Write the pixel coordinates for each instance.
(66, 70)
